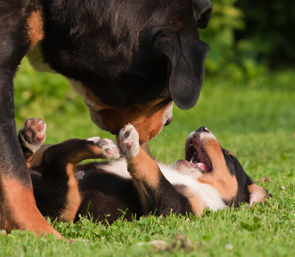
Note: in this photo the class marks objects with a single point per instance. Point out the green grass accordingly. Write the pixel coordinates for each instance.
(254, 119)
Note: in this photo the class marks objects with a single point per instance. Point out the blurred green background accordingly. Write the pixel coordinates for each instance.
(248, 37)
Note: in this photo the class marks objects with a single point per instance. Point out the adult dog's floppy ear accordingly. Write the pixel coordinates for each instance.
(187, 71)
(202, 10)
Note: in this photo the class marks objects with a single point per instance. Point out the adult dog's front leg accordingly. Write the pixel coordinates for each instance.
(18, 208)
(156, 193)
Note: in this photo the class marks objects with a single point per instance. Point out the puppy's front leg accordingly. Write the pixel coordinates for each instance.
(155, 191)
(58, 174)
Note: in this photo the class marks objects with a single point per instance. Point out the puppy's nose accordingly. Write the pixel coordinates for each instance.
(203, 129)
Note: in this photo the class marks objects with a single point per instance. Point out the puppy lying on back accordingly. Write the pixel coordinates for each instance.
(209, 177)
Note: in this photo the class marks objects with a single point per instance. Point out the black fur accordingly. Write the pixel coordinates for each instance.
(110, 50)
(125, 52)
(237, 170)
(166, 199)
(12, 48)
(107, 195)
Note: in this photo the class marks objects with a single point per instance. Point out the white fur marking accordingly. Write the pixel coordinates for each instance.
(207, 193)
(168, 114)
(118, 168)
(132, 138)
(33, 147)
(95, 140)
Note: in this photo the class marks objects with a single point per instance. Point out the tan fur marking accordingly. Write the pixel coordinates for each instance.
(35, 25)
(220, 178)
(144, 169)
(197, 204)
(19, 210)
(96, 153)
(74, 198)
(36, 159)
(146, 118)
(92, 153)
(230, 153)
(28, 161)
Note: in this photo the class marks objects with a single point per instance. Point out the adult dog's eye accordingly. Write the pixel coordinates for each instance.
(156, 37)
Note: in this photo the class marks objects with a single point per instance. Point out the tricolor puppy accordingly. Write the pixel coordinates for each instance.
(209, 177)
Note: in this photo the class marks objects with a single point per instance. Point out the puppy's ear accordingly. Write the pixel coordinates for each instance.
(202, 10)
(257, 194)
(187, 72)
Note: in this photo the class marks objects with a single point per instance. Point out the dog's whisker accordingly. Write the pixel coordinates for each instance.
(156, 139)
(165, 134)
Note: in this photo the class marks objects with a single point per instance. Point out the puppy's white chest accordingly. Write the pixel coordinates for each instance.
(206, 192)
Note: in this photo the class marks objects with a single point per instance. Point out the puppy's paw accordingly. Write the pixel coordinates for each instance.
(108, 147)
(33, 134)
(129, 141)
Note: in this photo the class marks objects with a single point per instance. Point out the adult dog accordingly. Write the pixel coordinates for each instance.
(128, 59)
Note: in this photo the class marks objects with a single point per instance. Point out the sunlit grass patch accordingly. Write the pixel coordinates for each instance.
(254, 119)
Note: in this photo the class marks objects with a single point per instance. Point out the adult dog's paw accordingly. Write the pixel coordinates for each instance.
(108, 147)
(129, 141)
(33, 134)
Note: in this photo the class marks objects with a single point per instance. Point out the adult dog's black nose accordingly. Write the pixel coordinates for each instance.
(203, 129)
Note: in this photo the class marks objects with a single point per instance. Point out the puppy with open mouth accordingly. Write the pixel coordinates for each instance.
(209, 177)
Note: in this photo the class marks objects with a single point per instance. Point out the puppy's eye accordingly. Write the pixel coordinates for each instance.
(230, 153)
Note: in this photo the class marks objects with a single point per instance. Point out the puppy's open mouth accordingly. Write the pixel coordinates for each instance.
(196, 155)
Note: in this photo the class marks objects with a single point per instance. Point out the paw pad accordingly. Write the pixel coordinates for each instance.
(110, 150)
(129, 141)
(33, 134)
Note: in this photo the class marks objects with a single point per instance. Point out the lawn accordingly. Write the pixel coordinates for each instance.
(255, 119)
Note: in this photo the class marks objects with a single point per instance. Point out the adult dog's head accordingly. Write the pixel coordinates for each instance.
(129, 59)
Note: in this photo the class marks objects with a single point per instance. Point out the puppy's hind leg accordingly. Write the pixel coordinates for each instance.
(31, 137)
(58, 174)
